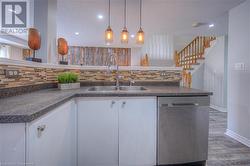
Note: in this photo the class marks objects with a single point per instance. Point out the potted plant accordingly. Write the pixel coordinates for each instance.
(68, 80)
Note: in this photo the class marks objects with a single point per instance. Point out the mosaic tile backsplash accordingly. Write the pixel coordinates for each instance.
(30, 76)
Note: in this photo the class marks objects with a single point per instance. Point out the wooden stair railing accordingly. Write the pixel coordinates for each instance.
(190, 55)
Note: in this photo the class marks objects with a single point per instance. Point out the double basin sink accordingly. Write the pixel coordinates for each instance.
(115, 89)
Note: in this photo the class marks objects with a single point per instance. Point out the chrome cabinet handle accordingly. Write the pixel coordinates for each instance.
(123, 104)
(40, 129)
(112, 104)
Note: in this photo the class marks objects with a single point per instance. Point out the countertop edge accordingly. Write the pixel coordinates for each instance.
(29, 118)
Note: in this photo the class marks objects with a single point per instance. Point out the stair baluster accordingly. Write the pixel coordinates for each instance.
(190, 55)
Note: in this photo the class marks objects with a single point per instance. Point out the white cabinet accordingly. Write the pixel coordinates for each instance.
(12, 144)
(86, 132)
(118, 131)
(97, 132)
(137, 132)
(51, 140)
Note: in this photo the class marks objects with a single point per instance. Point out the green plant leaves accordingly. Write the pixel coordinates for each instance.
(67, 77)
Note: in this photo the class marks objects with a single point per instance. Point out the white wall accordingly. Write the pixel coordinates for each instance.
(136, 55)
(11, 52)
(198, 78)
(211, 74)
(239, 77)
(214, 74)
(15, 53)
(45, 21)
(160, 49)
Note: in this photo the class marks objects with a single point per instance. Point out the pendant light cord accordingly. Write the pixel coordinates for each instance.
(109, 13)
(140, 12)
(125, 13)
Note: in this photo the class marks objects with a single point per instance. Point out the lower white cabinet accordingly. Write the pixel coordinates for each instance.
(118, 131)
(97, 132)
(85, 132)
(12, 144)
(137, 132)
(51, 139)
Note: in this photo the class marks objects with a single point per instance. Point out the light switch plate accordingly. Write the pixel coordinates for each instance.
(11, 73)
(239, 66)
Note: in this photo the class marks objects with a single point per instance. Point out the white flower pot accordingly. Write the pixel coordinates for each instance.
(69, 86)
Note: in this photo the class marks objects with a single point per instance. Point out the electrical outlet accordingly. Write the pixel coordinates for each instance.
(11, 73)
(2, 72)
(163, 73)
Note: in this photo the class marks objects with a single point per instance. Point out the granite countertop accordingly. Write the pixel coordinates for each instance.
(28, 107)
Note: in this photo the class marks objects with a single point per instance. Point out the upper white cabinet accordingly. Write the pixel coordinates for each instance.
(51, 140)
(137, 131)
(97, 132)
(118, 131)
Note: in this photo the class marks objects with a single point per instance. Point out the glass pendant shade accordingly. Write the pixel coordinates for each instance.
(109, 35)
(124, 35)
(140, 34)
(140, 37)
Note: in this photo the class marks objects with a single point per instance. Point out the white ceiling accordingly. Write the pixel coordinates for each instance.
(159, 16)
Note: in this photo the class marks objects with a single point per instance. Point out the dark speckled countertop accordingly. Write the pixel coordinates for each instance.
(28, 107)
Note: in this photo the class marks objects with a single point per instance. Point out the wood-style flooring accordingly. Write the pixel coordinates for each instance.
(223, 150)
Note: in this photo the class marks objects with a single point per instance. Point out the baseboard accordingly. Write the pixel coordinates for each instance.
(221, 109)
(238, 137)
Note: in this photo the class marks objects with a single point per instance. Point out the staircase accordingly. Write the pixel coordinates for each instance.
(191, 56)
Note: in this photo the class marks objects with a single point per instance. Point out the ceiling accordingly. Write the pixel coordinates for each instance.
(159, 16)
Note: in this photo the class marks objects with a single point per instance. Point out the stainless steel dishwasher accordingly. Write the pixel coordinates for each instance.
(183, 124)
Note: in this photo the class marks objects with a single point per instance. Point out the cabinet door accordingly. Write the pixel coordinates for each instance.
(12, 144)
(137, 131)
(97, 132)
(56, 144)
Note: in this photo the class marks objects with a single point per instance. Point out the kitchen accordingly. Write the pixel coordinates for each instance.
(96, 83)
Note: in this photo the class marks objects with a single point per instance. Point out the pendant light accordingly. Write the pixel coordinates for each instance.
(140, 33)
(109, 35)
(125, 33)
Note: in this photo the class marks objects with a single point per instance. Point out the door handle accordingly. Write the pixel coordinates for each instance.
(40, 129)
(179, 105)
(185, 104)
(112, 104)
(123, 104)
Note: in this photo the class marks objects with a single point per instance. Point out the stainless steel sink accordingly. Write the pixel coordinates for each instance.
(114, 88)
(102, 88)
(133, 88)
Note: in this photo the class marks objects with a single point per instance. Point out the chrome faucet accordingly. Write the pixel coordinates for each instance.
(111, 61)
(131, 82)
(118, 77)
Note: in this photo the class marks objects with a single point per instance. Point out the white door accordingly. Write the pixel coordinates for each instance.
(97, 132)
(137, 131)
(52, 138)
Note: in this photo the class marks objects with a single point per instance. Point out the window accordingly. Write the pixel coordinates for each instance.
(4, 51)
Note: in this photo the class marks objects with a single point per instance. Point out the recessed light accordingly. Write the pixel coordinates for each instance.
(211, 25)
(77, 33)
(132, 36)
(100, 17)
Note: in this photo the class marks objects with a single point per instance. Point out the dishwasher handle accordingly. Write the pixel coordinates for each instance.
(180, 105)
